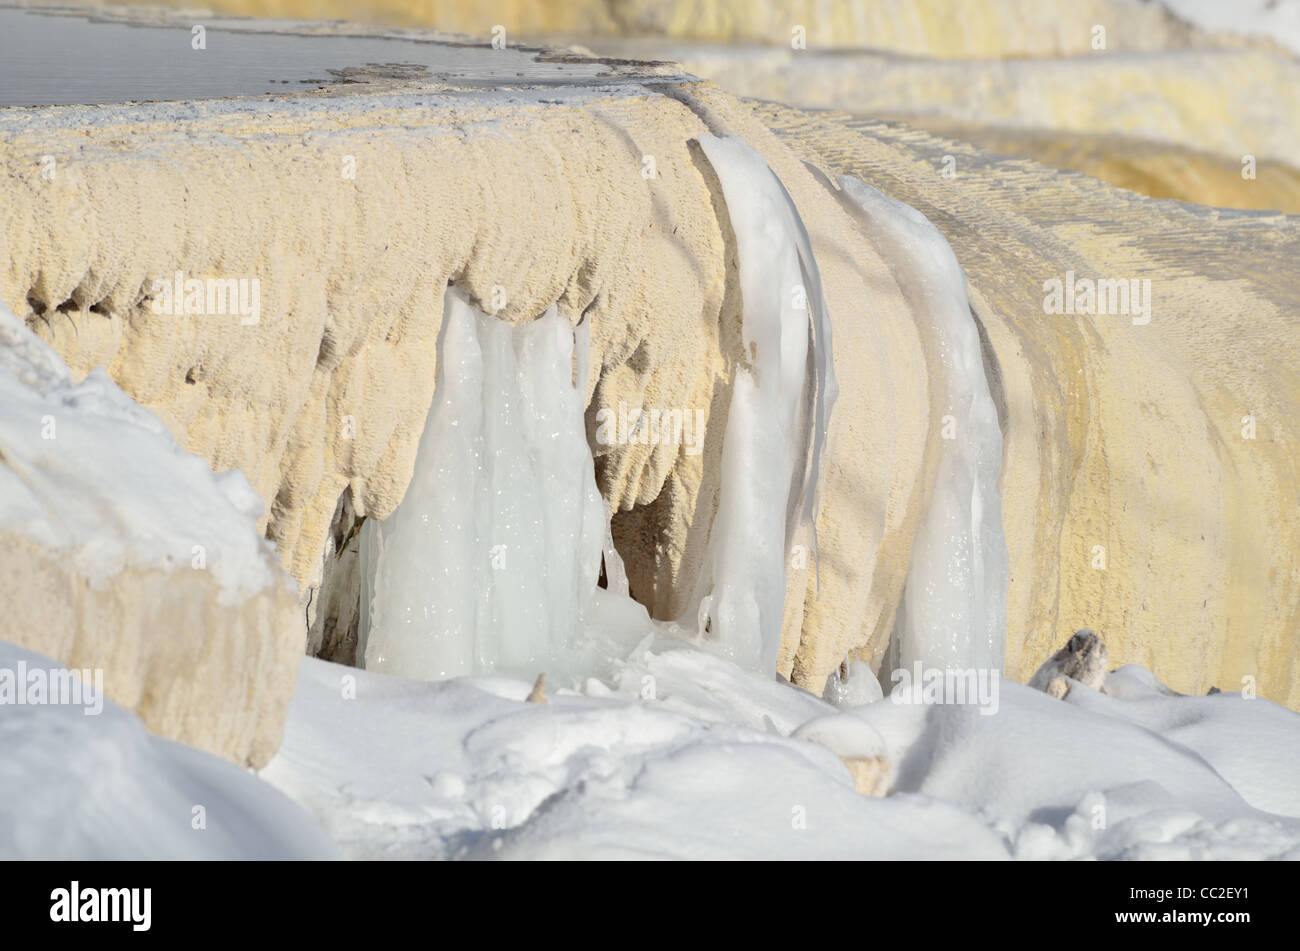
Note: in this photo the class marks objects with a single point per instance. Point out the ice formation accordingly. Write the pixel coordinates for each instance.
(953, 612)
(775, 436)
(492, 557)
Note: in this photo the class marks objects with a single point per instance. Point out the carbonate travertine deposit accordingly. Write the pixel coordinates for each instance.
(1164, 438)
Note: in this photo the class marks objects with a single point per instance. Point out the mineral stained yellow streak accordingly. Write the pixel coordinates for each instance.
(1156, 169)
(938, 28)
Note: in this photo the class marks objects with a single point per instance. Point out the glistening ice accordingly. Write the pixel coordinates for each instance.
(492, 557)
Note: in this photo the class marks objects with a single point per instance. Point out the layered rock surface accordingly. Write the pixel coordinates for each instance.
(956, 29)
(1180, 123)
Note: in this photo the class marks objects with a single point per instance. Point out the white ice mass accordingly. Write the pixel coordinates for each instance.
(776, 429)
(490, 560)
(953, 613)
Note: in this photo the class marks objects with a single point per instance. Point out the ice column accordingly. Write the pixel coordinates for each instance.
(491, 558)
(953, 612)
(776, 425)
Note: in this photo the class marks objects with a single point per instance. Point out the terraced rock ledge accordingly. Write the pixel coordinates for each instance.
(529, 179)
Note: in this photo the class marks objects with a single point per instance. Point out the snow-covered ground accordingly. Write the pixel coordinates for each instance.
(678, 753)
(674, 752)
(84, 780)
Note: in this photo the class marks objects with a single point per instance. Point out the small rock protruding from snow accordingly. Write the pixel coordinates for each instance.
(858, 744)
(1083, 659)
(538, 693)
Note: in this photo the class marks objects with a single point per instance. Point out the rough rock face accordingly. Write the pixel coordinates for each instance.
(1158, 169)
(1083, 658)
(1230, 102)
(212, 675)
(1149, 469)
(1213, 126)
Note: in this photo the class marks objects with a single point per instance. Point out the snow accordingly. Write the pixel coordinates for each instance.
(676, 752)
(673, 752)
(88, 471)
(78, 786)
(953, 613)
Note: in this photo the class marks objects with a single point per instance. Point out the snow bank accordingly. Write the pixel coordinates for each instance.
(125, 554)
(74, 786)
(466, 770)
(676, 752)
(88, 471)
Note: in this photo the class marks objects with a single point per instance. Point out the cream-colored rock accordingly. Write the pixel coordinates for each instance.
(870, 774)
(1227, 102)
(197, 670)
(1149, 469)
(1158, 169)
(538, 693)
(1165, 121)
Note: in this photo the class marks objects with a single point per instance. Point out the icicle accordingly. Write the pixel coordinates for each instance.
(615, 572)
(953, 612)
(771, 453)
